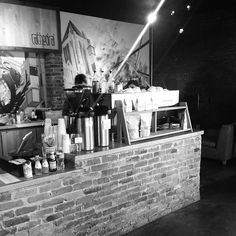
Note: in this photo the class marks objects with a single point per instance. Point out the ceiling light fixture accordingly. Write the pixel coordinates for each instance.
(152, 18)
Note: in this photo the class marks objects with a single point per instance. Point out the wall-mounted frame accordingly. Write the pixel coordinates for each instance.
(22, 84)
(92, 44)
(28, 28)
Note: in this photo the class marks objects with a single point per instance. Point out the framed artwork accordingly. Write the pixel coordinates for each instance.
(23, 27)
(13, 84)
(21, 85)
(95, 47)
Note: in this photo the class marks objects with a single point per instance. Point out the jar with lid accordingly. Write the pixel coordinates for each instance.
(37, 166)
(52, 162)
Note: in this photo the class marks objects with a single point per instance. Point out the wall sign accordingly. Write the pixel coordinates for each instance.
(28, 27)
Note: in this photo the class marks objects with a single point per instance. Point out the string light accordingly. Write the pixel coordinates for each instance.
(181, 30)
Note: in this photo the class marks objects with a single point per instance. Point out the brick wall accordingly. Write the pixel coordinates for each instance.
(108, 194)
(54, 80)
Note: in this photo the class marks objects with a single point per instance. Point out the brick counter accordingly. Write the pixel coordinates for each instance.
(109, 193)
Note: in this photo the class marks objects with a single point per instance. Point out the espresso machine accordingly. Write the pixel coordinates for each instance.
(88, 114)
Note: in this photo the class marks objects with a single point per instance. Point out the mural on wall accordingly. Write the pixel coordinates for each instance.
(13, 84)
(95, 45)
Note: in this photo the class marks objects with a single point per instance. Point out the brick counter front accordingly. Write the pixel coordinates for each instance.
(109, 193)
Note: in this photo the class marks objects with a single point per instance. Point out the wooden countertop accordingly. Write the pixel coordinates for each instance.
(22, 125)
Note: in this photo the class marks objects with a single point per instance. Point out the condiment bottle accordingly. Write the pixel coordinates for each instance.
(37, 166)
(60, 161)
(27, 169)
(45, 166)
(52, 162)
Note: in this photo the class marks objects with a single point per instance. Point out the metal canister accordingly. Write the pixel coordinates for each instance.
(102, 126)
(103, 130)
(85, 129)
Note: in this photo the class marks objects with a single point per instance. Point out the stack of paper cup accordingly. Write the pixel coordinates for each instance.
(66, 143)
(61, 130)
(54, 130)
(47, 125)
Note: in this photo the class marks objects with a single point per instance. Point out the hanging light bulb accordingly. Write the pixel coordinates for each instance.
(172, 13)
(181, 30)
(188, 7)
(152, 17)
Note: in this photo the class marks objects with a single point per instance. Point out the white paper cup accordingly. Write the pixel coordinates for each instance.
(66, 143)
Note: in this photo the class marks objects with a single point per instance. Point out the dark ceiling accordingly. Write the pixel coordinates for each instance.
(134, 11)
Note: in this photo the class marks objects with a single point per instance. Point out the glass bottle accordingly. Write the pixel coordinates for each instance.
(33, 114)
(52, 162)
(22, 115)
(45, 166)
(111, 84)
(95, 83)
(18, 121)
(37, 166)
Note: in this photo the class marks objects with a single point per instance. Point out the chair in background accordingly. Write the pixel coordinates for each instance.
(218, 143)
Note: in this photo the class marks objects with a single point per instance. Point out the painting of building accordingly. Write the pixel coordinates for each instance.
(95, 45)
(78, 53)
